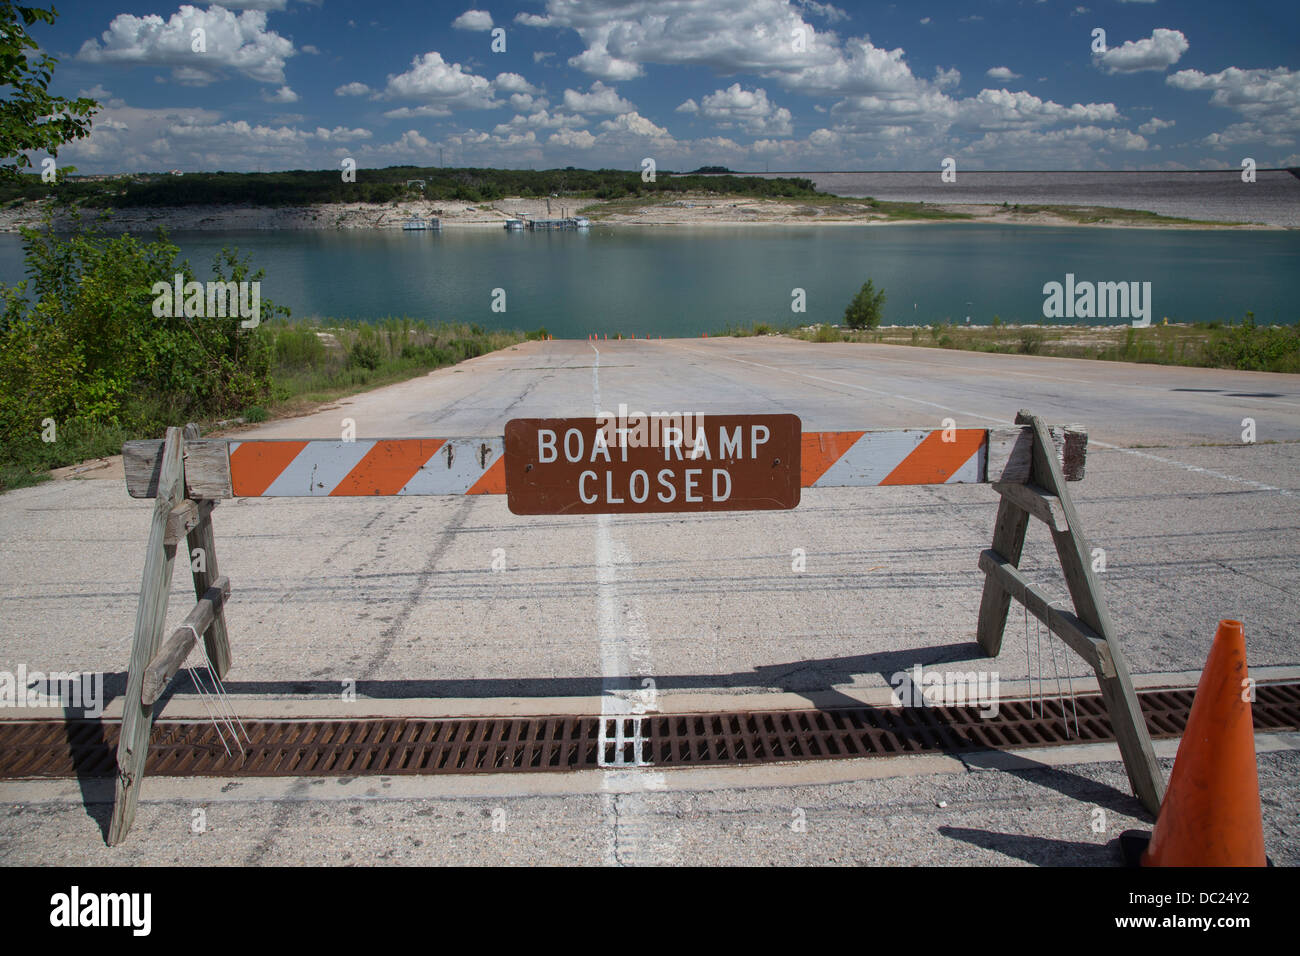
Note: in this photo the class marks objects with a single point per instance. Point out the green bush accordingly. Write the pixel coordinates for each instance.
(80, 344)
(254, 414)
(1031, 341)
(365, 355)
(864, 311)
(427, 355)
(826, 333)
(1248, 346)
(298, 347)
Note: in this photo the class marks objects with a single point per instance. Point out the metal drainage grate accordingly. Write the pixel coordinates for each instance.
(338, 748)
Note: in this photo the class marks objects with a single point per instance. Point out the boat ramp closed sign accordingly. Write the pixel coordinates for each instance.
(674, 463)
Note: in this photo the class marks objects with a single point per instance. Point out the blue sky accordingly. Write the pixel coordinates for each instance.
(751, 84)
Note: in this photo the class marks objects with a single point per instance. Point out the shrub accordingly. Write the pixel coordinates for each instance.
(1248, 346)
(79, 341)
(864, 312)
(297, 347)
(364, 355)
(1031, 341)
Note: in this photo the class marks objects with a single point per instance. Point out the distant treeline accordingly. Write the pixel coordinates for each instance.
(306, 187)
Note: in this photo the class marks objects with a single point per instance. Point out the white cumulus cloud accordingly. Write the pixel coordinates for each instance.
(473, 20)
(1159, 51)
(237, 42)
(599, 99)
(441, 85)
(1269, 96)
(748, 109)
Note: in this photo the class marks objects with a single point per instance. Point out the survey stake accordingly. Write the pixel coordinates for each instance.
(729, 463)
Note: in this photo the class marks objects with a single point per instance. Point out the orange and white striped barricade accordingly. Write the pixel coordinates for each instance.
(766, 460)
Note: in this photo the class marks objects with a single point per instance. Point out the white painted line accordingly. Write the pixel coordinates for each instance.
(624, 652)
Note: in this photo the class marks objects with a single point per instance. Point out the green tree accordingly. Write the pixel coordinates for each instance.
(865, 310)
(79, 338)
(30, 118)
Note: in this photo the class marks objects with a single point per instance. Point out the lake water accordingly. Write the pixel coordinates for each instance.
(676, 281)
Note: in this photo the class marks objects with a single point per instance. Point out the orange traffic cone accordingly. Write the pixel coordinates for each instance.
(1211, 815)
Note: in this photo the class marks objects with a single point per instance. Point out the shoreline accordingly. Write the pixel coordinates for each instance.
(704, 211)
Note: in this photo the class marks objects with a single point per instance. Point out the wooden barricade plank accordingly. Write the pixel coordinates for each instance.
(995, 602)
(230, 468)
(202, 555)
(172, 655)
(1117, 689)
(137, 718)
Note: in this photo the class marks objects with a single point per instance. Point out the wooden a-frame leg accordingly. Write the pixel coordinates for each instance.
(215, 640)
(1009, 542)
(1126, 718)
(137, 719)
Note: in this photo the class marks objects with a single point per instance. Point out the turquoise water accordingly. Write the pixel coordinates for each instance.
(684, 281)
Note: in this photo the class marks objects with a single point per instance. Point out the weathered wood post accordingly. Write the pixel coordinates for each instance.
(151, 616)
(215, 640)
(1089, 630)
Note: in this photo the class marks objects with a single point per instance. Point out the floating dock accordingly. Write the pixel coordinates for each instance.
(571, 222)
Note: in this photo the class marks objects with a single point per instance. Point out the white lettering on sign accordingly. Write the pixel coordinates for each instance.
(701, 446)
(570, 445)
(721, 495)
(574, 445)
(729, 446)
(545, 446)
(638, 486)
(692, 476)
(567, 466)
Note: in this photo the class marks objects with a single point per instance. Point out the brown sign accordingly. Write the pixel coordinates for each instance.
(652, 464)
